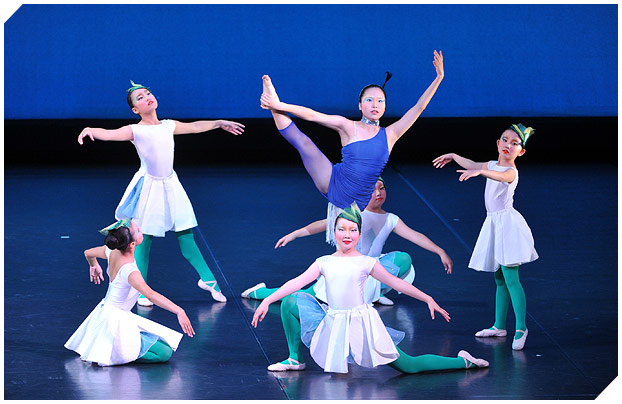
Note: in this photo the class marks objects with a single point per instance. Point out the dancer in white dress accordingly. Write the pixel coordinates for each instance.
(505, 241)
(155, 198)
(112, 334)
(377, 226)
(350, 330)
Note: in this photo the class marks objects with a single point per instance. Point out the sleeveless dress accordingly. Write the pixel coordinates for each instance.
(505, 238)
(375, 229)
(155, 198)
(111, 334)
(348, 329)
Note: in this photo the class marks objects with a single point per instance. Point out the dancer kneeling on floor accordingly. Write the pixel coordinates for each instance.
(342, 332)
(112, 334)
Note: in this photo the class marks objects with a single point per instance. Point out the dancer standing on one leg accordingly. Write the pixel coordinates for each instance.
(377, 226)
(350, 329)
(366, 145)
(155, 198)
(112, 334)
(505, 241)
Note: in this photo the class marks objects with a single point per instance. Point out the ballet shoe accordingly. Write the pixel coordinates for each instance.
(292, 364)
(143, 301)
(480, 363)
(248, 291)
(385, 301)
(209, 286)
(518, 344)
(491, 332)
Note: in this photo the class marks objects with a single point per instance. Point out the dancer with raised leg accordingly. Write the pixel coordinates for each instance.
(350, 330)
(505, 241)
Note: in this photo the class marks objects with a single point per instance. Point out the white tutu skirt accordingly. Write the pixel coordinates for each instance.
(111, 336)
(162, 204)
(336, 337)
(505, 239)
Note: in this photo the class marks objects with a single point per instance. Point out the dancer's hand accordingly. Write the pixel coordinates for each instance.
(433, 306)
(270, 102)
(284, 240)
(447, 262)
(85, 132)
(97, 275)
(438, 64)
(441, 161)
(230, 126)
(260, 313)
(184, 321)
(466, 174)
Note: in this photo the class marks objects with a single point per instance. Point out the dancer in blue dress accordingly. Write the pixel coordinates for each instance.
(365, 145)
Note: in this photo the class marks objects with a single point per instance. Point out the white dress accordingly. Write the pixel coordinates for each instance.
(110, 335)
(375, 229)
(505, 238)
(155, 197)
(348, 329)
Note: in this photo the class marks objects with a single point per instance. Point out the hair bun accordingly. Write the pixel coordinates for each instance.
(112, 241)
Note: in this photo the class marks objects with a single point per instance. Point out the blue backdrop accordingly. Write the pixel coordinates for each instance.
(206, 61)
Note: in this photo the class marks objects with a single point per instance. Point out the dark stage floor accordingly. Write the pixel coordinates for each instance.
(52, 215)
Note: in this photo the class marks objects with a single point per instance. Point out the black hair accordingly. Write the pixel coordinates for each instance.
(381, 87)
(118, 239)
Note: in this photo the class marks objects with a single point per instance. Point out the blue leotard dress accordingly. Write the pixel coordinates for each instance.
(354, 179)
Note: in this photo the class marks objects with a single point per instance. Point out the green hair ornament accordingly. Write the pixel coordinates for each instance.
(135, 87)
(353, 214)
(119, 223)
(523, 132)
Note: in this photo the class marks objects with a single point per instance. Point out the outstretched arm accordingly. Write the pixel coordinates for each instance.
(124, 133)
(182, 128)
(400, 285)
(289, 287)
(463, 162)
(402, 230)
(136, 280)
(95, 270)
(335, 122)
(310, 229)
(505, 176)
(397, 129)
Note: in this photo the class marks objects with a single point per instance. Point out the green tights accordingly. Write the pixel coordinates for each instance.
(189, 250)
(405, 363)
(509, 289)
(158, 353)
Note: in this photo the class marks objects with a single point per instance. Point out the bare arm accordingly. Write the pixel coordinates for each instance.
(136, 280)
(121, 134)
(397, 129)
(205, 126)
(402, 230)
(400, 285)
(310, 229)
(505, 176)
(95, 270)
(463, 162)
(289, 287)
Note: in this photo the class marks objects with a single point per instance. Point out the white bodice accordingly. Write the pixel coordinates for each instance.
(156, 147)
(499, 195)
(376, 228)
(345, 274)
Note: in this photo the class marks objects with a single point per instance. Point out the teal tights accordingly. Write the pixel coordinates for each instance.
(158, 353)
(509, 289)
(405, 363)
(189, 250)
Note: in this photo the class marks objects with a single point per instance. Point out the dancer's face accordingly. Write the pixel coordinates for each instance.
(143, 101)
(509, 146)
(378, 197)
(373, 103)
(346, 234)
(136, 232)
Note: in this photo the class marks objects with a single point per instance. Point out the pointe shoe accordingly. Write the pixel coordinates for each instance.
(385, 301)
(491, 332)
(248, 291)
(143, 301)
(518, 344)
(209, 286)
(292, 364)
(480, 363)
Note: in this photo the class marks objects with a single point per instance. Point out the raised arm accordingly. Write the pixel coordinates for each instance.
(397, 129)
(400, 285)
(136, 280)
(402, 230)
(310, 229)
(289, 287)
(182, 128)
(95, 270)
(463, 162)
(123, 133)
